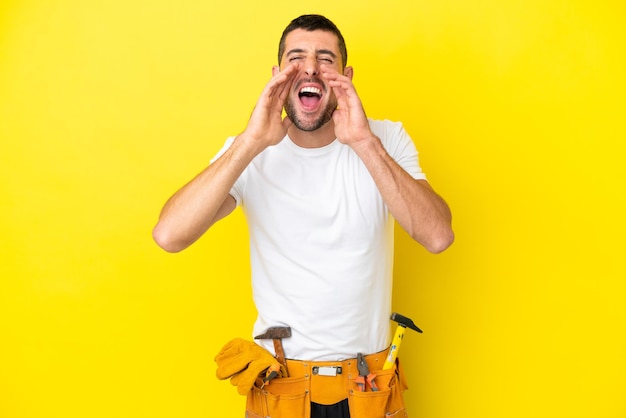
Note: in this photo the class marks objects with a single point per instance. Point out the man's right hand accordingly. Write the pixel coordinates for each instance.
(205, 199)
(266, 125)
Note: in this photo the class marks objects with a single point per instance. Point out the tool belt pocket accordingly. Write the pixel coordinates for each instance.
(387, 402)
(282, 398)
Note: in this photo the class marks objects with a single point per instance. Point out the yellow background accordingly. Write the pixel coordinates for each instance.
(107, 107)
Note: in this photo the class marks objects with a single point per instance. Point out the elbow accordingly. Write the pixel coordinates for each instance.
(440, 242)
(165, 240)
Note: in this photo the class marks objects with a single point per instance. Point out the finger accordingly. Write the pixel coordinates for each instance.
(283, 81)
(345, 85)
(341, 93)
(292, 72)
(346, 93)
(337, 80)
(275, 86)
(275, 92)
(279, 87)
(330, 72)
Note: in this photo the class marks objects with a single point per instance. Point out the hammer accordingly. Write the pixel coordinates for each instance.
(276, 334)
(403, 323)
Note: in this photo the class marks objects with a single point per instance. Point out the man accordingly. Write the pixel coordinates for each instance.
(320, 189)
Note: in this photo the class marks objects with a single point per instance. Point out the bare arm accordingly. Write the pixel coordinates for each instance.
(191, 211)
(413, 203)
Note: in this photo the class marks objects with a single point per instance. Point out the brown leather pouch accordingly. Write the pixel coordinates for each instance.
(291, 397)
(282, 398)
(388, 401)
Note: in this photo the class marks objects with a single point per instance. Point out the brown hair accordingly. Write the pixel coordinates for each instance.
(311, 23)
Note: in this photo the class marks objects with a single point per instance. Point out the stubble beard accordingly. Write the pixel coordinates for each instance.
(309, 126)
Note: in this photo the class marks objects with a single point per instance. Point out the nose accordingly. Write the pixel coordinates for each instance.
(311, 67)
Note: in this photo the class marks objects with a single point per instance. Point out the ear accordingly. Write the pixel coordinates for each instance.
(348, 72)
(275, 70)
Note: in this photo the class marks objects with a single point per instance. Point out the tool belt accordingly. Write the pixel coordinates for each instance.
(329, 382)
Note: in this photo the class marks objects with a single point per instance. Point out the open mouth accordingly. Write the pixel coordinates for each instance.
(310, 97)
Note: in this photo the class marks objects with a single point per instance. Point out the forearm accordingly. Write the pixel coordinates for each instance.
(204, 200)
(192, 210)
(417, 208)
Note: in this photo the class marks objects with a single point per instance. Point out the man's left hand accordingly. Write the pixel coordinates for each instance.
(351, 125)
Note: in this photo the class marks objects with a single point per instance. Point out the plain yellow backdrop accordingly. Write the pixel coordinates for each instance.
(107, 107)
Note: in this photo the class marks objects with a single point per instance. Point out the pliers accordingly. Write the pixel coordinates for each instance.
(365, 377)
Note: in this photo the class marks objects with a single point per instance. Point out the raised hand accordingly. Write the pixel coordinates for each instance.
(351, 125)
(266, 125)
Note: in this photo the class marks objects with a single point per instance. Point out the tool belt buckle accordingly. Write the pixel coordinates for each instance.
(327, 370)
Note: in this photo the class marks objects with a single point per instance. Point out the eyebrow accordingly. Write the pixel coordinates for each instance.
(317, 52)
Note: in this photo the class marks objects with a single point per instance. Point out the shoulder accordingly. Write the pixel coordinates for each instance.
(384, 124)
(388, 130)
(399, 145)
(392, 134)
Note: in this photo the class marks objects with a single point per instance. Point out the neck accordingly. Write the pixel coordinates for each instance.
(313, 139)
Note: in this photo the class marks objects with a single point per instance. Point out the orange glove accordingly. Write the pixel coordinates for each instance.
(243, 361)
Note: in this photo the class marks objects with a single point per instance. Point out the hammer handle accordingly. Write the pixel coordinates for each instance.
(280, 354)
(395, 347)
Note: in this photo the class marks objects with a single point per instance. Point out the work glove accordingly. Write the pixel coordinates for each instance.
(243, 361)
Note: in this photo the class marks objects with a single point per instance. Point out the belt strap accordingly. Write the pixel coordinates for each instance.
(330, 381)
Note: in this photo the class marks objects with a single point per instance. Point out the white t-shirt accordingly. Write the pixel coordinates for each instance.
(321, 243)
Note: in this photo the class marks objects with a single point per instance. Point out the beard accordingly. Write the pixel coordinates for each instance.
(310, 125)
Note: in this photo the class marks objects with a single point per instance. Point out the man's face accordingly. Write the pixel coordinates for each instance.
(311, 102)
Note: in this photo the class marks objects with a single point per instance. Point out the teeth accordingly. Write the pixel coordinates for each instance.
(313, 90)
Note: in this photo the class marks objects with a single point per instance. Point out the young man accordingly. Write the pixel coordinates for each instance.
(320, 190)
